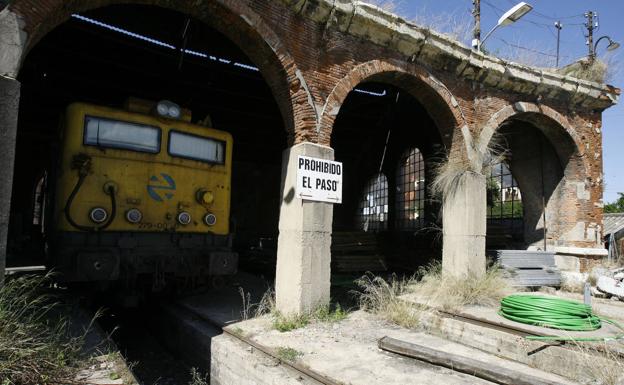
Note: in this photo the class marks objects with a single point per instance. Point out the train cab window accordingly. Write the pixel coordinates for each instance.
(196, 147)
(125, 135)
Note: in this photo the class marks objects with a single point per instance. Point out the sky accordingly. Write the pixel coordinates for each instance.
(537, 34)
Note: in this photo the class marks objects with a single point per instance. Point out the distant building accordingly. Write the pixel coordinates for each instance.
(614, 234)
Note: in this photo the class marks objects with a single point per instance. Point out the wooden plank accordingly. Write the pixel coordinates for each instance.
(461, 364)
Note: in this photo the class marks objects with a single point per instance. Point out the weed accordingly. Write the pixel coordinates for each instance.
(326, 314)
(287, 323)
(247, 305)
(450, 292)
(197, 378)
(288, 354)
(381, 297)
(35, 347)
(267, 304)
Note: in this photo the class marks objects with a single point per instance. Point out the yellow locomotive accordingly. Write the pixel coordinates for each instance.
(142, 192)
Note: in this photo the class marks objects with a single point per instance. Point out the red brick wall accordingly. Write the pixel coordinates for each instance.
(312, 67)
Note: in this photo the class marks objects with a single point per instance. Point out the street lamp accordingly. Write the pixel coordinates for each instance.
(509, 17)
(613, 45)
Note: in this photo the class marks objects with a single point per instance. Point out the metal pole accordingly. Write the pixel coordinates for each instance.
(476, 33)
(590, 34)
(558, 26)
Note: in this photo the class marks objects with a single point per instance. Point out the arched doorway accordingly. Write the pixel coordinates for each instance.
(389, 144)
(105, 55)
(527, 207)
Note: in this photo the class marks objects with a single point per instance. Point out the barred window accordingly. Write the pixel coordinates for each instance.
(373, 208)
(504, 198)
(410, 191)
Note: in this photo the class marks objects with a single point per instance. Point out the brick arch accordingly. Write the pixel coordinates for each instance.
(554, 125)
(567, 196)
(31, 20)
(437, 99)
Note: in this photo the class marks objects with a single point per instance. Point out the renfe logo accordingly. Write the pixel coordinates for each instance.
(319, 180)
(160, 189)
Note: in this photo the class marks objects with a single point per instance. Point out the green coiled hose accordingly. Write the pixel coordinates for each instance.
(555, 313)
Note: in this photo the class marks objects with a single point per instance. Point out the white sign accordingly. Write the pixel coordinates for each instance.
(319, 180)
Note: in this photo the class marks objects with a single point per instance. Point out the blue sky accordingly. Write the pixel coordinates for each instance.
(537, 33)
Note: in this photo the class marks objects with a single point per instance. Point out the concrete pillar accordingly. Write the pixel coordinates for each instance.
(464, 226)
(9, 103)
(302, 277)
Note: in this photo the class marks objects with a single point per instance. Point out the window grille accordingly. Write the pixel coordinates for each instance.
(373, 208)
(503, 194)
(410, 191)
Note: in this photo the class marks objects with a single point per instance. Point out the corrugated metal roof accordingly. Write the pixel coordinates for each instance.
(613, 223)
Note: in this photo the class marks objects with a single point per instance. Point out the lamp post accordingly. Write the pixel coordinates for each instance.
(509, 17)
(613, 45)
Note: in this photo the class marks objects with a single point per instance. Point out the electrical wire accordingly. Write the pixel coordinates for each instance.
(555, 313)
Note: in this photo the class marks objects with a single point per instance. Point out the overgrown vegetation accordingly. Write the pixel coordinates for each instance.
(448, 292)
(35, 345)
(324, 313)
(288, 354)
(288, 322)
(381, 297)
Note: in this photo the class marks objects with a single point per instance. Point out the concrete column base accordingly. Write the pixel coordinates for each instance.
(464, 227)
(302, 277)
(9, 104)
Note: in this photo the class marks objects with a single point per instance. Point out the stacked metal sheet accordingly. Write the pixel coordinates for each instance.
(530, 268)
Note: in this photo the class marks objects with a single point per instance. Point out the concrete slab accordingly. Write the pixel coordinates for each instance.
(346, 352)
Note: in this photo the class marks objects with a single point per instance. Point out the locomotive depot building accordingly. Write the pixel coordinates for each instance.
(340, 114)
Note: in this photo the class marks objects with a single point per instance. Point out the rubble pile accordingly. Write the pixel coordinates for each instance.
(610, 283)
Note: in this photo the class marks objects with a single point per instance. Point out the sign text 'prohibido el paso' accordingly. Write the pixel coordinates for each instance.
(319, 180)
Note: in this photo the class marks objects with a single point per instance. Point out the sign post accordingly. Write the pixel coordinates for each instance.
(319, 180)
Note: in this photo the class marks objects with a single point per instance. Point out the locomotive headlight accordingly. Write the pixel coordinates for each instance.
(168, 109)
(174, 111)
(210, 219)
(204, 197)
(184, 218)
(134, 216)
(98, 215)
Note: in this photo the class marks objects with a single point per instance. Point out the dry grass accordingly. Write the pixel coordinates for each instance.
(35, 347)
(571, 285)
(456, 25)
(197, 378)
(450, 292)
(601, 367)
(381, 297)
(482, 157)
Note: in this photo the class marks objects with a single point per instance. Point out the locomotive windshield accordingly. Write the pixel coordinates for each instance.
(196, 147)
(118, 134)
